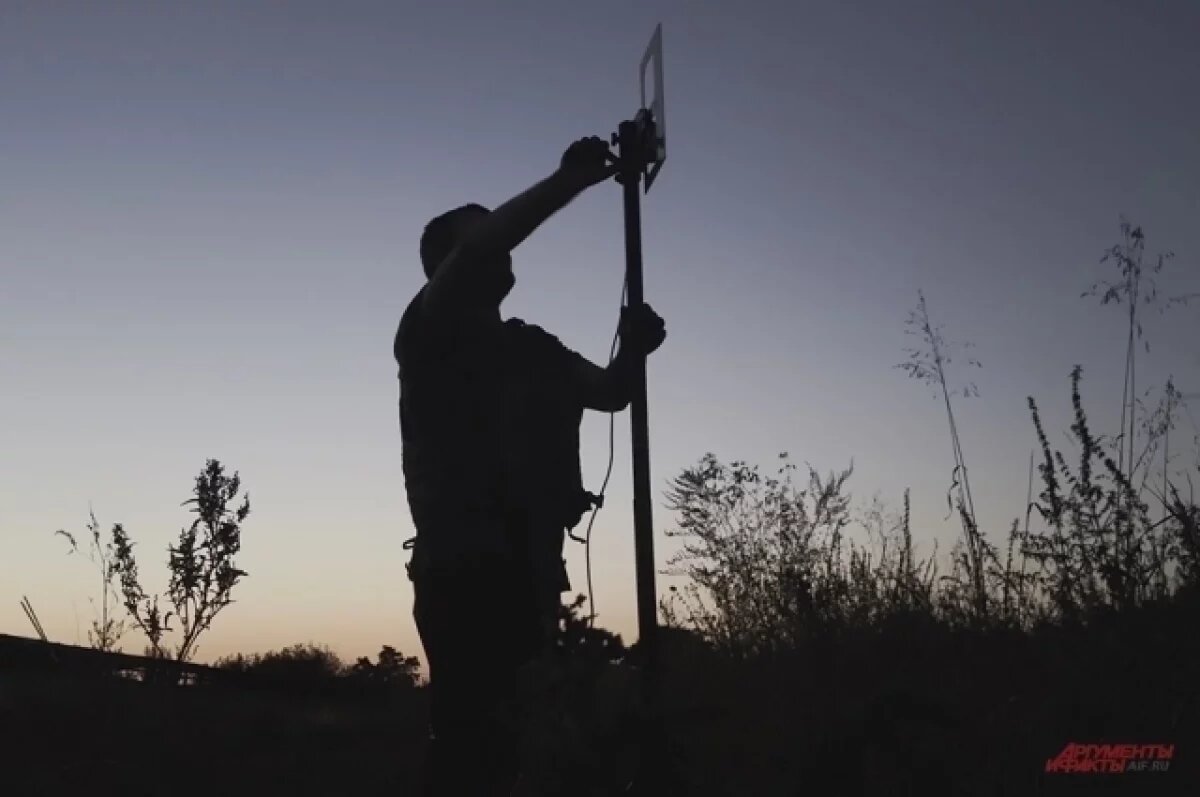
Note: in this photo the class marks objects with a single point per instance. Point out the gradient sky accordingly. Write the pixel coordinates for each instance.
(209, 216)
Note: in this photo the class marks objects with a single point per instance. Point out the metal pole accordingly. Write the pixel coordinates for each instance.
(631, 152)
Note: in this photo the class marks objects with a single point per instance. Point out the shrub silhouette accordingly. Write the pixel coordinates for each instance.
(1101, 547)
(768, 563)
(201, 563)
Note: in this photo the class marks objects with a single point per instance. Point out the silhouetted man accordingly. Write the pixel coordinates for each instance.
(489, 414)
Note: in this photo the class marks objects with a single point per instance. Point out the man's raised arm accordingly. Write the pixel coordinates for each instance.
(494, 235)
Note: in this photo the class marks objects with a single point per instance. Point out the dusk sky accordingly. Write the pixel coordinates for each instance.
(209, 215)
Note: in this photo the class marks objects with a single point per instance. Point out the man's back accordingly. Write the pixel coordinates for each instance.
(450, 420)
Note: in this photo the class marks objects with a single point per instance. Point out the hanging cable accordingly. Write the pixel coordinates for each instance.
(587, 537)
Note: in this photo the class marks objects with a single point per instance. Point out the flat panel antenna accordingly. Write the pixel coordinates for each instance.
(657, 129)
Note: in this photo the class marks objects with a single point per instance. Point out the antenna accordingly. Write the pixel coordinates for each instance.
(641, 150)
(656, 125)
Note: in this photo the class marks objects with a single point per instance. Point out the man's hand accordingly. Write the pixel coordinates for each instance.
(587, 162)
(642, 330)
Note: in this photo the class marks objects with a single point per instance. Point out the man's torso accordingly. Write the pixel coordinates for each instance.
(490, 425)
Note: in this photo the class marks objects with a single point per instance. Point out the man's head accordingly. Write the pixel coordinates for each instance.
(444, 233)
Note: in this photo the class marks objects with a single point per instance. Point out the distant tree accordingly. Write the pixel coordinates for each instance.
(309, 665)
(299, 664)
(577, 636)
(392, 668)
(107, 628)
(203, 572)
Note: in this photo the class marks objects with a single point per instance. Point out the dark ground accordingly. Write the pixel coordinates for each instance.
(913, 710)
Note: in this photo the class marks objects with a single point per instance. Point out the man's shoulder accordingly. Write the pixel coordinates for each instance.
(535, 345)
(531, 338)
(530, 333)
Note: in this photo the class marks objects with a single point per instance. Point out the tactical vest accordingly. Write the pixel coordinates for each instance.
(543, 414)
(540, 492)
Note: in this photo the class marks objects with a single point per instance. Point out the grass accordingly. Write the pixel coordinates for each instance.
(910, 707)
